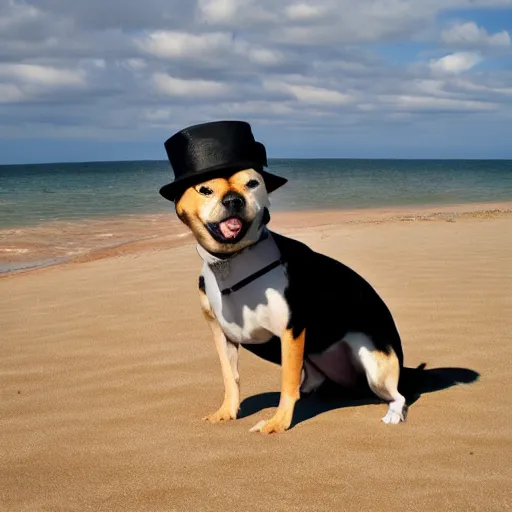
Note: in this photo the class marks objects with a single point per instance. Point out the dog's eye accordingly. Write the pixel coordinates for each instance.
(206, 191)
(252, 183)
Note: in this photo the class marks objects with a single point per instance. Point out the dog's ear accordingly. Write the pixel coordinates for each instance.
(266, 217)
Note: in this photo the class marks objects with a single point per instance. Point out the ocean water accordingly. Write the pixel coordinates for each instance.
(56, 212)
(34, 194)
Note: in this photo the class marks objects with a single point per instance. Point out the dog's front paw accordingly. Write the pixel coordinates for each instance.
(223, 414)
(275, 425)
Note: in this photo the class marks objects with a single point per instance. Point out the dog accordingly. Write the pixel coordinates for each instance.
(276, 297)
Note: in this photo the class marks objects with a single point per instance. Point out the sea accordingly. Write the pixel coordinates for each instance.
(52, 212)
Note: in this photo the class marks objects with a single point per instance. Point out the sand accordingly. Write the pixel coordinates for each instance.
(107, 367)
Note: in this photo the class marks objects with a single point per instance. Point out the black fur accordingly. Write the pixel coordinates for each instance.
(266, 218)
(201, 284)
(184, 217)
(328, 299)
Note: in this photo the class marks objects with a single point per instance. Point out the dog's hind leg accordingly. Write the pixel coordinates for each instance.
(382, 372)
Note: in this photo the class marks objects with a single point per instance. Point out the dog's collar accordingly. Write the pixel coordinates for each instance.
(251, 278)
(244, 267)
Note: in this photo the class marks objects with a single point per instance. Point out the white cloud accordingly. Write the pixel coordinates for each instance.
(178, 87)
(42, 75)
(455, 63)
(236, 13)
(426, 103)
(214, 50)
(259, 108)
(303, 12)
(470, 33)
(310, 94)
(320, 95)
(217, 11)
(176, 45)
(265, 56)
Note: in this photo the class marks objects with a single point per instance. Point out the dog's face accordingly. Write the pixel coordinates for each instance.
(226, 214)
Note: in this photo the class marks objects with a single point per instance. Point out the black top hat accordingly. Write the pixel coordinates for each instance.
(207, 150)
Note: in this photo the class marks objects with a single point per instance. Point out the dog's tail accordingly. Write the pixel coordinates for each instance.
(411, 380)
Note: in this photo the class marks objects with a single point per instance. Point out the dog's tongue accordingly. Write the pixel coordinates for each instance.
(230, 228)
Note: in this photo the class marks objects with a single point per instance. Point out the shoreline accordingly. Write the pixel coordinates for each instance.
(165, 231)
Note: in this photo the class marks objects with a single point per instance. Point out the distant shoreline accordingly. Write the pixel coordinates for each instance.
(273, 159)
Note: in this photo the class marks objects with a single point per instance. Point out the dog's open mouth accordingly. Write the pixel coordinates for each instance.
(230, 230)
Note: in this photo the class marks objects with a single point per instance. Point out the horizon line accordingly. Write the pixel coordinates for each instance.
(413, 159)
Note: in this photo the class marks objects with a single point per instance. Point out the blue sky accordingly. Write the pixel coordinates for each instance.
(100, 80)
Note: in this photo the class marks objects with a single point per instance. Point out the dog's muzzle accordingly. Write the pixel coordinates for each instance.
(233, 202)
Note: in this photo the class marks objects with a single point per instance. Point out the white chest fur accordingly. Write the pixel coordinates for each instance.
(257, 311)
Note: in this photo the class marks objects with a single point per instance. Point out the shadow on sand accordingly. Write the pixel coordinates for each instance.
(414, 382)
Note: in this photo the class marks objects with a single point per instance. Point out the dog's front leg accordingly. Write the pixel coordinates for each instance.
(292, 355)
(228, 357)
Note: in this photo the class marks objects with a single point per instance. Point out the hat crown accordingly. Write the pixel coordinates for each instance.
(204, 151)
(215, 145)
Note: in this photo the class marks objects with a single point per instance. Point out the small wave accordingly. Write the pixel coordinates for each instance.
(12, 268)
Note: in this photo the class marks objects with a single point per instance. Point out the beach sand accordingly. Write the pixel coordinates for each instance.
(107, 367)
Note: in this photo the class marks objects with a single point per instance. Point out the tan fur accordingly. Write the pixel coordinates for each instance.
(292, 355)
(191, 201)
(196, 210)
(228, 356)
(385, 381)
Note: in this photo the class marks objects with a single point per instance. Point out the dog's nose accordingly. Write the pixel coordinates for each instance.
(233, 201)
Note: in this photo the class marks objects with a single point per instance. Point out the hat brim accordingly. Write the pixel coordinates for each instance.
(173, 191)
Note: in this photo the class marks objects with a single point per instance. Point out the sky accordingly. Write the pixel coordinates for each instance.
(113, 79)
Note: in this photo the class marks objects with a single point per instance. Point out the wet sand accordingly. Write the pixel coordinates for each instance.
(107, 367)
(50, 243)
